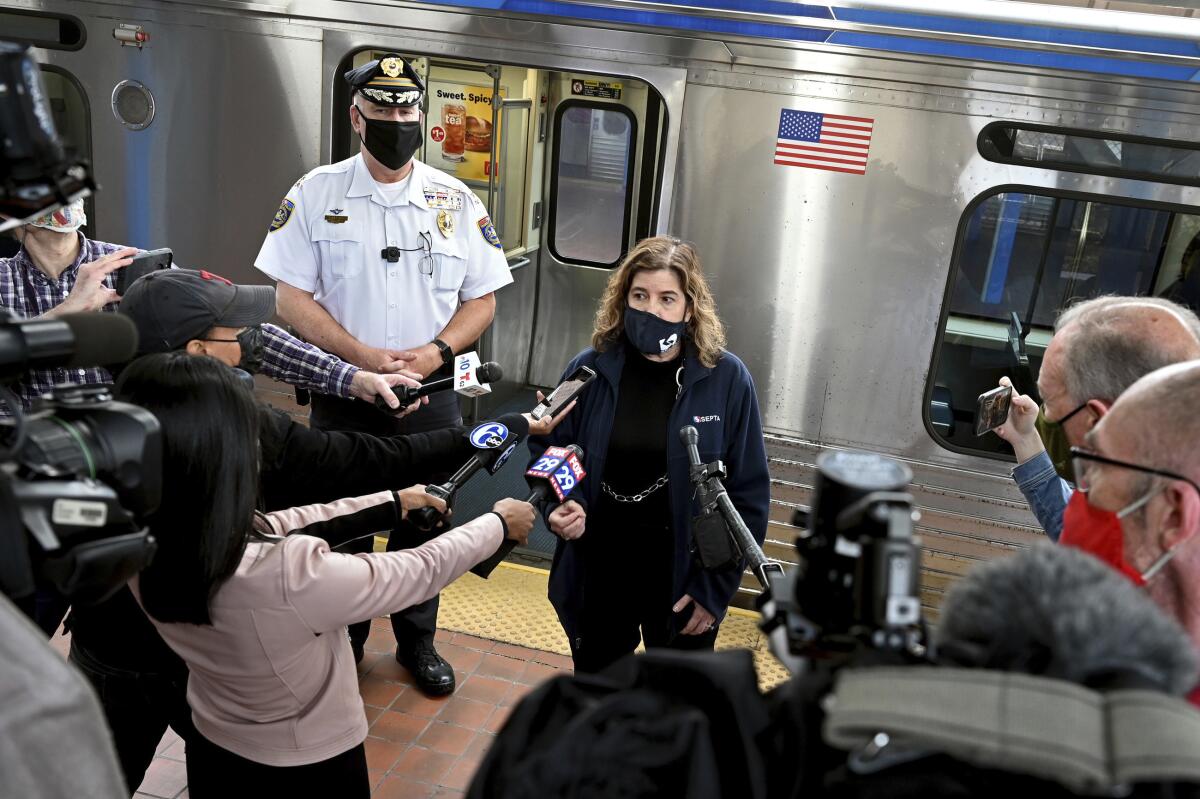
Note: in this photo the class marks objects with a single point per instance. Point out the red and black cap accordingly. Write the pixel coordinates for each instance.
(389, 81)
(170, 307)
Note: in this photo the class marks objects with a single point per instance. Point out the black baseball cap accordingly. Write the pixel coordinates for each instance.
(173, 306)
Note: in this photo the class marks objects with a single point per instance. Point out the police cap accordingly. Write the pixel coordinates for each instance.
(389, 81)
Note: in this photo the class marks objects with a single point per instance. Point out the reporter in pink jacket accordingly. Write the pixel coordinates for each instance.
(256, 604)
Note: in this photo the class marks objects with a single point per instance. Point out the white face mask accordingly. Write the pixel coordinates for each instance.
(66, 219)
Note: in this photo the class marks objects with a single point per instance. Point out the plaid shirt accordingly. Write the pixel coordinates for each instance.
(27, 292)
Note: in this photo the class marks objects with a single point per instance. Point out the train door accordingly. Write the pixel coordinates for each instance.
(67, 100)
(567, 165)
(601, 190)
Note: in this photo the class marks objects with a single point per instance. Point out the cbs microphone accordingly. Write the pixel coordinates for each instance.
(556, 473)
(494, 442)
(470, 379)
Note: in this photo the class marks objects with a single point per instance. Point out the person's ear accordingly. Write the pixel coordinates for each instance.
(1181, 518)
(196, 347)
(1096, 411)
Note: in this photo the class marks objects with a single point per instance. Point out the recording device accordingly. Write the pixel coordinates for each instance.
(143, 264)
(80, 471)
(72, 341)
(719, 531)
(857, 587)
(562, 395)
(470, 379)
(992, 410)
(556, 473)
(37, 174)
(494, 442)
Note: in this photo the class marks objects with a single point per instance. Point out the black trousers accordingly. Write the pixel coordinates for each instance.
(334, 413)
(218, 773)
(138, 707)
(627, 591)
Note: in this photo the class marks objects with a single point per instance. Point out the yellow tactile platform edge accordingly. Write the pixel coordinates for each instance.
(511, 606)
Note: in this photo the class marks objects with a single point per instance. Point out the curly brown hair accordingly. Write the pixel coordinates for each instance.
(649, 255)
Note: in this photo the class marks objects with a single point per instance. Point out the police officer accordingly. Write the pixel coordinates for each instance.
(390, 264)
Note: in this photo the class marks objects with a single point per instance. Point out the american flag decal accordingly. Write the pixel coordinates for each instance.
(823, 141)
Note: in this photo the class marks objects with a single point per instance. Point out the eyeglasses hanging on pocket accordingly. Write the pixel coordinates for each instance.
(424, 264)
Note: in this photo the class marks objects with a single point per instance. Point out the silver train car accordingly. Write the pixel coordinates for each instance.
(889, 197)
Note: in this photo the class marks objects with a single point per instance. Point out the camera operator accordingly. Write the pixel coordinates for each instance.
(48, 708)
(258, 614)
(139, 680)
(1100, 347)
(59, 270)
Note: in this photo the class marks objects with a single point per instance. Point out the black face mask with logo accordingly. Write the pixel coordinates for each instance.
(651, 335)
(391, 143)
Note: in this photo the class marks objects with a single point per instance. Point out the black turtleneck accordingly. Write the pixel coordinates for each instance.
(637, 446)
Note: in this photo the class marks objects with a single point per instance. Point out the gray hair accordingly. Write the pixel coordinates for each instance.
(1114, 341)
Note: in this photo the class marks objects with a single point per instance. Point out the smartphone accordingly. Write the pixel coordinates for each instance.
(993, 409)
(143, 264)
(566, 391)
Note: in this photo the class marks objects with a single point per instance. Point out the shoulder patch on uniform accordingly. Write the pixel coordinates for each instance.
(443, 198)
(489, 232)
(282, 215)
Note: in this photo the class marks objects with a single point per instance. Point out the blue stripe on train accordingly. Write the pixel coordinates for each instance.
(887, 42)
(655, 19)
(1125, 42)
(1009, 55)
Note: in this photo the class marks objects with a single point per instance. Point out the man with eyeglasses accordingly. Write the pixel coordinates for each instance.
(1139, 470)
(1100, 347)
(392, 265)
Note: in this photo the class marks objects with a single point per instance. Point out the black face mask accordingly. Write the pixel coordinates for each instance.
(392, 143)
(251, 342)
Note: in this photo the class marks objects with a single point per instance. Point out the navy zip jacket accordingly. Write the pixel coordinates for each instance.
(721, 404)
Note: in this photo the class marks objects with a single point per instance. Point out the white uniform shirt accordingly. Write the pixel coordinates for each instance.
(328, 235)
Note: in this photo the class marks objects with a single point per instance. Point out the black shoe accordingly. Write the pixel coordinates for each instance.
(432, 674)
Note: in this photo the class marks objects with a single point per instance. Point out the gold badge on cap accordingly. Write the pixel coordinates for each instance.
(445, 223)
(392, 67)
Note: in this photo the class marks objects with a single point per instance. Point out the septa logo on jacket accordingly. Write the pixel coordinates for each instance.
(703, 419)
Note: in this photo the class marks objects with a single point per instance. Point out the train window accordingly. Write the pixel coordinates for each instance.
(52, 31)
(592, 187)
(1021, 258)
(72, 119)
(1100, 153)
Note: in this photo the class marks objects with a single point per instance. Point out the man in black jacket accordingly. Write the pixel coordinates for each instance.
(140, 681)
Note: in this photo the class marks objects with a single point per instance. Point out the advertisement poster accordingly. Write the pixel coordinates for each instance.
(460, 130)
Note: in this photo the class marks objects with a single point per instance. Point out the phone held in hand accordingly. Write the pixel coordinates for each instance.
(992, 410)
(143, 264)
(566, 391)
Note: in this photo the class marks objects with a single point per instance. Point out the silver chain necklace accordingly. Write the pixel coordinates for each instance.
(638, 497)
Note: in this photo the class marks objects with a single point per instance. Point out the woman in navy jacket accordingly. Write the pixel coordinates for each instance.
(623, 568)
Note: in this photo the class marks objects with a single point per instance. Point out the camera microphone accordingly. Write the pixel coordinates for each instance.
(494, 442)
(557, 472)
(75, 341)
(470, 379)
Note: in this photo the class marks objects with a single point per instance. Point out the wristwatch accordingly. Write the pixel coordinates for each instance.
(444, 349)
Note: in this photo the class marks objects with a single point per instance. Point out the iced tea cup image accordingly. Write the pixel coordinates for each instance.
(454, 119)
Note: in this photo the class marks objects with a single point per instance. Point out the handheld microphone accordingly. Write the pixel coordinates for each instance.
(470, 379)
(77, 341)
(557, 472)
(494, 442)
